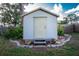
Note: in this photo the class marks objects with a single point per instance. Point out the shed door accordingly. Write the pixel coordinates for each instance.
(39, 27)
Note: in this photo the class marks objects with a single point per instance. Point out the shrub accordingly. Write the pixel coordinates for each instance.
(14, 33)
(60, 30)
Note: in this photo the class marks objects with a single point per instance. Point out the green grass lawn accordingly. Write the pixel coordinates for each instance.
(69, 49)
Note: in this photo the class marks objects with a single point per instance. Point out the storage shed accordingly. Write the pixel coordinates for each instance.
(40, 24)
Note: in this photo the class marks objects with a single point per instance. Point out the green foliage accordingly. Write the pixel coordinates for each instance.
(10, 13)
(64, 22)
(72, 17)
(60, 30)
(14, 33)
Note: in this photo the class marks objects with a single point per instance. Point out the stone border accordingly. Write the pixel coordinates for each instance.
(61, 44)
(52, 46)
(19, 45)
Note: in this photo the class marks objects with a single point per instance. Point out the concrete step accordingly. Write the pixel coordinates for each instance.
(39, 46)
(40, 42)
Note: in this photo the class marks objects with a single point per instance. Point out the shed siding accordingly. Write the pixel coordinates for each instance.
(28, 25)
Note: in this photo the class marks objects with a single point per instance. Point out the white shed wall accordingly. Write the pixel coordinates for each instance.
(28, 25)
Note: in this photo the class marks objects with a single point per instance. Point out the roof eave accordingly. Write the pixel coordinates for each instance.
(42, 10)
